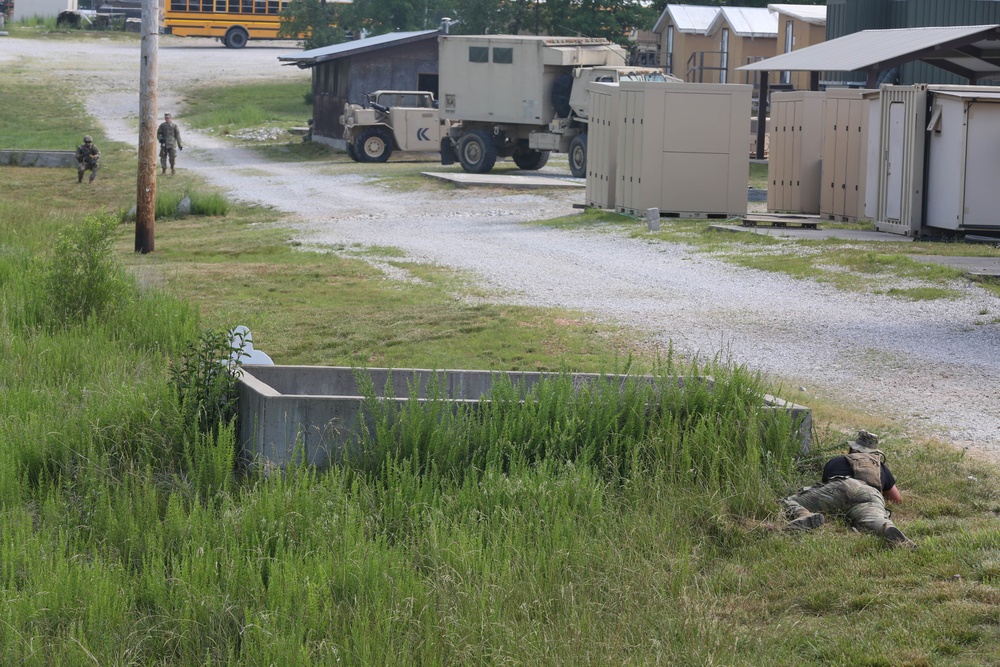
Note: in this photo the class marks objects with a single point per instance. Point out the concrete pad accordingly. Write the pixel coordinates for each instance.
(974, 266)
(816, 234)
(32, 158)
(517, 181)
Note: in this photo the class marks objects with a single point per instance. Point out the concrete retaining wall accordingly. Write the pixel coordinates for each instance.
(294, 414)
(32, 158)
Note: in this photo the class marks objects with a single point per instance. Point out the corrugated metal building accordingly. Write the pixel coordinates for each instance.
(844, 17)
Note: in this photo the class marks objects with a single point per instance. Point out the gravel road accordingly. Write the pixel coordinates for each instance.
(933, 366)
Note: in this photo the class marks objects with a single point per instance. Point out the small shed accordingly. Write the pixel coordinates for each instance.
(799, 26)
(963, 159)
(683, 33)
(343, 73)
(681, 148)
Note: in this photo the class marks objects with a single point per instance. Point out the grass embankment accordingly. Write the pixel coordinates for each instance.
(604, 529)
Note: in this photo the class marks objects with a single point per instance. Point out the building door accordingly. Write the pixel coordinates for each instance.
(894, 162)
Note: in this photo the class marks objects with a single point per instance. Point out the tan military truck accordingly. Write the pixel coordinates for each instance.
(523, 96)
(403, 120)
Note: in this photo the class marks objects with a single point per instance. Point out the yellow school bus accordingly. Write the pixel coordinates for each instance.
(233, 22)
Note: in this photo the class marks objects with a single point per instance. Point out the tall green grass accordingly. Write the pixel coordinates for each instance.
(599, 527)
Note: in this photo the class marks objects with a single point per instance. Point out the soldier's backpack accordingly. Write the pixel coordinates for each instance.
(867, 465)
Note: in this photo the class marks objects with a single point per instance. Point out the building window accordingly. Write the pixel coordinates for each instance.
(503, 56)
(724, 59)
(786, 77)
(670, 49)
(479, 54)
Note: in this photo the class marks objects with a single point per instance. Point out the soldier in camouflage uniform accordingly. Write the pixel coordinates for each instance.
(169, 136)
(857, 485)
(87, 157)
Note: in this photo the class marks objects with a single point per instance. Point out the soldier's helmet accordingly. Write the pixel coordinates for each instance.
(87, 139)
(865, 442)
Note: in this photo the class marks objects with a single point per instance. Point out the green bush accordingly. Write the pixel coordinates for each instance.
(204, 380)
(210, 204)
(84, 277)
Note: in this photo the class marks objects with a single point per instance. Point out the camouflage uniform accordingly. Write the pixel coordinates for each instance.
(88, 156)
(859, 496)
(169, 136)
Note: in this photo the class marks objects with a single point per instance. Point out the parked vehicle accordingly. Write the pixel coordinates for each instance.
(523, 97)
(403, 120)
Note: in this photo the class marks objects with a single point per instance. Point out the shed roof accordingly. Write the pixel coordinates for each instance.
(747, 21)
(687, 18)
(972, 52)
(313, 57)
(815, 14)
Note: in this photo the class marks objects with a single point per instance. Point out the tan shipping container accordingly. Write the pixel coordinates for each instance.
(602, 145)
(845, 154)
(796, 151)
(682, 148)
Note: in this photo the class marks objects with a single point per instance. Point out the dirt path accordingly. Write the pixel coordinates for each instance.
(934, 366)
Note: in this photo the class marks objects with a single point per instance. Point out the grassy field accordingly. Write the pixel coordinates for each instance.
(601, 528)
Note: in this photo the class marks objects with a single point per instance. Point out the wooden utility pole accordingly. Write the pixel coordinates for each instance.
(145, 198)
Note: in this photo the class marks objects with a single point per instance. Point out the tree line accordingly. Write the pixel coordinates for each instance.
(326, 23)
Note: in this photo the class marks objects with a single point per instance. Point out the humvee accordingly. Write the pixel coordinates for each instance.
(403, 120)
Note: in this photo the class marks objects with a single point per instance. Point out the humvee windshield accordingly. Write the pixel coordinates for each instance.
(406, 100)
(643, 76)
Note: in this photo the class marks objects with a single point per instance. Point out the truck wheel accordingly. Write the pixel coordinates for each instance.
(476, 152)
(352, 152)
(531, 159)
(578, 156)
(374, 145)
(237, 38)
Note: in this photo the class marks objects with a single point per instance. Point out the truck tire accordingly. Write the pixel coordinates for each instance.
(373, 145)
(476, 152)
(578, 156)
(352, 152)
(236, 38)
(531, 159)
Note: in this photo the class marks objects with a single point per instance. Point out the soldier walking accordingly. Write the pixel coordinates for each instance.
(169, 136)
(87, 157)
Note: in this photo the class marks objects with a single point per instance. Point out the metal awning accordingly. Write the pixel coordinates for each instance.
(313, 57)
(972, 52)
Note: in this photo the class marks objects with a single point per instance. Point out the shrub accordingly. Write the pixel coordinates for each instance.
(204, 380)
(84, 277)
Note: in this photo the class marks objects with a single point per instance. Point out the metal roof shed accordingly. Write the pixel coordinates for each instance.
(343, 73)
(969, 51)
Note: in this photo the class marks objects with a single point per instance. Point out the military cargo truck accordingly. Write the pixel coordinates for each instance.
(404, 120)
(523, 96)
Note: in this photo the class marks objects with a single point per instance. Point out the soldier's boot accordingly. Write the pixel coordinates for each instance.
(92, 177)
(894, 537)
(806, 521)
(172, 171)
(164, 165)
(79, 177)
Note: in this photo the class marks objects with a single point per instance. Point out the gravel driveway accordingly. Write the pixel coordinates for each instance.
(933, 365)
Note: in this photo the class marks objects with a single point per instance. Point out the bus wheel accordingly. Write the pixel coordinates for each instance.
(237, 38)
